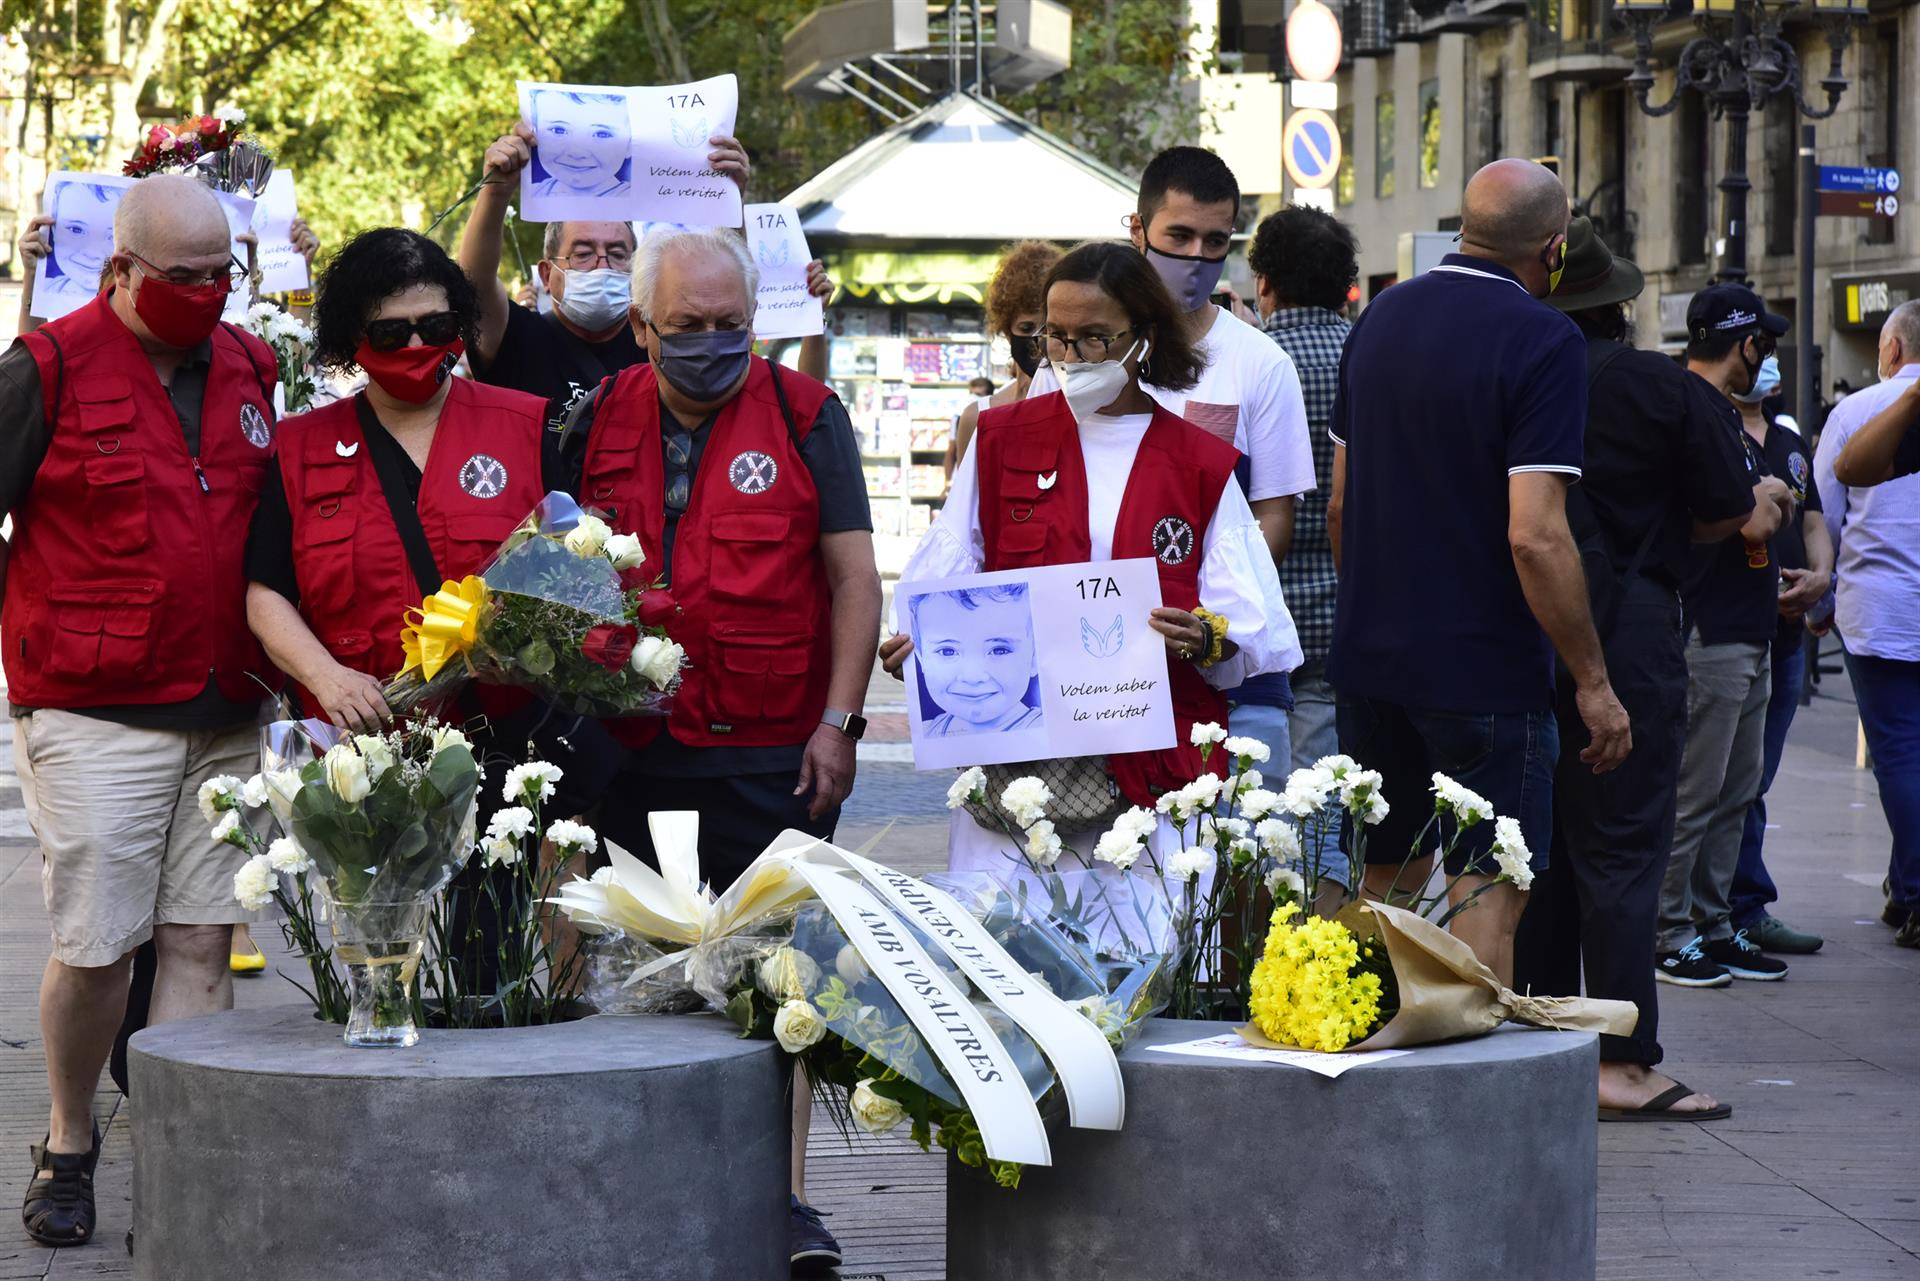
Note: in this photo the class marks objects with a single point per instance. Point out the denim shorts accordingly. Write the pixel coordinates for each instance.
(1507, 757)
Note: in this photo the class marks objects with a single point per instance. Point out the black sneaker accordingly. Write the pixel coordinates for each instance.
(812, 1248)
(1743, 959)
(1689, 967)
(1908, 935)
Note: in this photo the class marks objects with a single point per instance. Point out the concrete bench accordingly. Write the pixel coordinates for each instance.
(644, 1147)
(1463, 1162)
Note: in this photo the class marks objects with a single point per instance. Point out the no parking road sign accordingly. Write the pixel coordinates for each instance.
(1310, 148)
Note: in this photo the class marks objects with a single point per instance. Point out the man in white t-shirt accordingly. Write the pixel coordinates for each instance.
(1249, 395)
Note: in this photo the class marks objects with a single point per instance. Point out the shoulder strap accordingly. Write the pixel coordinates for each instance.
(59, 375)
(259, 374)
(786, 411)
(406, 517)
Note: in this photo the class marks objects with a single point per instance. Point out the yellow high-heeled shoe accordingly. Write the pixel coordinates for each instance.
(247, 963)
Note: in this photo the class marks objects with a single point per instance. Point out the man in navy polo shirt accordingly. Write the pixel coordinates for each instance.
(1458, 426)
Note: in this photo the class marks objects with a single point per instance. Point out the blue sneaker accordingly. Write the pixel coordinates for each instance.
(812, 1247)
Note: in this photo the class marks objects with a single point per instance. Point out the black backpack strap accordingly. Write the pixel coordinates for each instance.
(786, 411)
(406, 518)
(266, 385)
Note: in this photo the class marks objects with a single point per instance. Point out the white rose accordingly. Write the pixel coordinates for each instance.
(282, 786)
(625, 552)
(657, 659)
(797, 1025)
(227, 830)
(850, 965)
(1511, 853)
(1249, 749)
(1190, 863)
(1043, 845)
(1206, 734)
(347, 774)
(589, 537)
(874, 1113)
(572, 838)
(285, 855)
(254, 883)
(1257, 803)
(377, 752)
(217, 797)
(1284, 883)
(1026, 799)
(972, 782)
(531, 783)
(788, 974)
(253, 793)
(445, 736)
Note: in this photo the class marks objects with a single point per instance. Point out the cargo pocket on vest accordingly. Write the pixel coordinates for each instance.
(102, 629)
(117, 502)
(761, 678)
(749, 561)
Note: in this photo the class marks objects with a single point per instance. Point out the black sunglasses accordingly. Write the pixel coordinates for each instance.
(436, 330)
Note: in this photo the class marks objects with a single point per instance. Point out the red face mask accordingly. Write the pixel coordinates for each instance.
(411, 374)
(179, 315)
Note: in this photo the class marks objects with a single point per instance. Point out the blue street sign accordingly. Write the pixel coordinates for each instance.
(1840, 178)
(1310, 148)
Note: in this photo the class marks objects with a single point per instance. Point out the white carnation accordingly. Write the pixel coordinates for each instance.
(972, 782)
(1026, 799)
(1192, 862)
(531, 783)
(1120, 848)
(1511, 853)
(1242, 748)
(1285, 883)
(572, 838)
(1337, 766)
(1043, 844)
(1202, 792)
(1247, 781)
(285, 855)
(227, 830)
(255, 883)
(1257, 803)
(1467, 806)
(1278, 839)
(217, 796)
(1138, 822)
(253, 793)
(1206, 734)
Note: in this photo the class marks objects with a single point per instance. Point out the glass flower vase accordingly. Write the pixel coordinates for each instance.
(381, 945)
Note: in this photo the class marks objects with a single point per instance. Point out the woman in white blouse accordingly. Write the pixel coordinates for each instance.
(1098, 471)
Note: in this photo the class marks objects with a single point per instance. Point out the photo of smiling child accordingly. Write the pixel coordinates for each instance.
(79, 243)
(976, 658)
(583, 157)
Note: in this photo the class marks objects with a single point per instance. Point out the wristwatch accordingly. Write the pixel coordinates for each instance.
(851, 724)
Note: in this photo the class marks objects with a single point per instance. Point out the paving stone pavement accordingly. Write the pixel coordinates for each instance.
(1812, 1177)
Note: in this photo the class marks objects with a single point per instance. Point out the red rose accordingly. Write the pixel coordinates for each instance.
(657, 608)
(609, 645)
(636, 579)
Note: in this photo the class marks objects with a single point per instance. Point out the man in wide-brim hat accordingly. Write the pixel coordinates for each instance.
(1664, 468)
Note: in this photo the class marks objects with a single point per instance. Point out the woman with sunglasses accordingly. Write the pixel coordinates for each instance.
(1098, 471)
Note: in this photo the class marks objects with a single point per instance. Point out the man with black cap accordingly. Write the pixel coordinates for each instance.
(1662, 469)
(1731, 600)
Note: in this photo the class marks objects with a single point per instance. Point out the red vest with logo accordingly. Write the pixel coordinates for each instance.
(751, 604)
(1171, 495)
(481, 479)
(125, 581)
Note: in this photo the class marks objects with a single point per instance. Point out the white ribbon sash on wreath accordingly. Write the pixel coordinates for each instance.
(868, 902)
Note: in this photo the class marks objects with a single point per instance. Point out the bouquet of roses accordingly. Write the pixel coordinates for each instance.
(798, 952)
(563, 609)
(292, 344)
(210, 148)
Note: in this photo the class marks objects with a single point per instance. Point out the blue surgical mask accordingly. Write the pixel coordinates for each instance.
(704, 365)
(1765, 383)
(595, 300)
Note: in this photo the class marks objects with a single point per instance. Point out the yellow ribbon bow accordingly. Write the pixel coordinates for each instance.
(446, 624)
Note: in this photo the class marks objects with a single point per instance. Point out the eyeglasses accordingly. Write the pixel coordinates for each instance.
(586, 259)
(1092, 348)
(679, 470)
(233, 277)
(1765, 344)
(435, 330)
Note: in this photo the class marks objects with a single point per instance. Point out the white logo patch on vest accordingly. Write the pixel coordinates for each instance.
(254, 426)
(483, 476)
(753, 472)
(1172, 540)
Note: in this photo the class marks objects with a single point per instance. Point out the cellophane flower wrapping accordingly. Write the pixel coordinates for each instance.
(564, 609)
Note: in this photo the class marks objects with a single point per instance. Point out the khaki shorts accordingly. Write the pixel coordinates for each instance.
(116, 810)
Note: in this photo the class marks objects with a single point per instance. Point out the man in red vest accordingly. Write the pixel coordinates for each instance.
(743, 483)
(140, 429)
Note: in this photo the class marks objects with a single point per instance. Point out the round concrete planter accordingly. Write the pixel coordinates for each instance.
(1475, 1159)
(638, 1148)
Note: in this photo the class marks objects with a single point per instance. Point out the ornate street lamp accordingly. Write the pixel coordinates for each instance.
(1739, 62)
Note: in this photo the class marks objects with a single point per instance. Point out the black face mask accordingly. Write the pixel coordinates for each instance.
(1026, 351)
(704, 365)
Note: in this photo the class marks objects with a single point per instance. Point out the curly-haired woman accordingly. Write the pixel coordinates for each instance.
(1016, 306)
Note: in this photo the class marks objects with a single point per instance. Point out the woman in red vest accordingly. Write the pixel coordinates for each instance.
(1098, 471)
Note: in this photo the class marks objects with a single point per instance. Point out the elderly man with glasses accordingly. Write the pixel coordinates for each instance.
(743, 482)
(140, 430)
